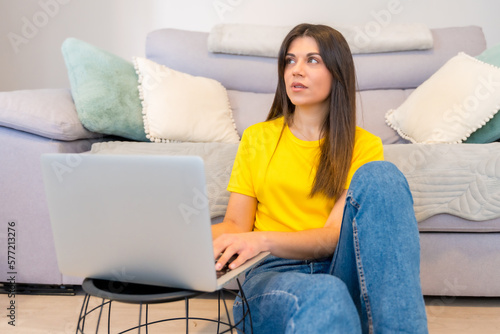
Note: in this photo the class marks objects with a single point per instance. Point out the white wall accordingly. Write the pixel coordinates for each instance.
(31, 31)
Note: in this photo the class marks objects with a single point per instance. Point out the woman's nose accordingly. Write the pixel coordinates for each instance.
(298, 68)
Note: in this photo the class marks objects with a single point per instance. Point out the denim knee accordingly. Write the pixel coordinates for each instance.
(299, 303)
(381, 173)
(380, 178)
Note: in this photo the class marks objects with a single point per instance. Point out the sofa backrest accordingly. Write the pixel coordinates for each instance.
(186, 51)
(385, 80)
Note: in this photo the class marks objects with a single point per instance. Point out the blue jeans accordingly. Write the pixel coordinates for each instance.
(370, 285)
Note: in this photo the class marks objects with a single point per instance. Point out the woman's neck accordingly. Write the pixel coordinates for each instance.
(306, 124)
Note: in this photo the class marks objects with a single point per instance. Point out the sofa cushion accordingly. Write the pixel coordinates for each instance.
(180, 107)
(218, 159)
(491, 130)
(372, 105)
(458, 99)
(450, 223)
(49, 113)
(249, 108)
(104, 89)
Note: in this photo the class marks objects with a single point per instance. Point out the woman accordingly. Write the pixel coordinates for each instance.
(311, 187)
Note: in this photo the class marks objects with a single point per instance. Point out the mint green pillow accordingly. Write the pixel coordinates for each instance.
(104, 89)
(491, 56)
(490, 132)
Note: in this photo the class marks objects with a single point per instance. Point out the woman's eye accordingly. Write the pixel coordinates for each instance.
(289, 61)
(313, 60)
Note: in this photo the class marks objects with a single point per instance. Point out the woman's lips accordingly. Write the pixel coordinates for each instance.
(297, 86)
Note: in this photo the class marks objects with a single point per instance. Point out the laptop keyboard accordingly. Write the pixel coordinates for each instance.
(225, 269)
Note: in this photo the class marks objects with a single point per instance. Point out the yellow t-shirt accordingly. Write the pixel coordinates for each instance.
(279, 172)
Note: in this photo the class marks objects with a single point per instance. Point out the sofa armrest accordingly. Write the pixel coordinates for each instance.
(49, 113)
(22, 199)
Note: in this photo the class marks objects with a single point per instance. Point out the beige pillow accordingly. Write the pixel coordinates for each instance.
(181, 107)
(457, 100)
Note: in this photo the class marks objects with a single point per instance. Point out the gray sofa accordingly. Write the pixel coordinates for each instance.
(460, 256)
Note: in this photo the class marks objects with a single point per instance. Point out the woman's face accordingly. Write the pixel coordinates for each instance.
(308, 82)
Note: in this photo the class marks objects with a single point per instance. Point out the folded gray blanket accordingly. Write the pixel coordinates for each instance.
(460, 179)
(218, 160)
(265, 41)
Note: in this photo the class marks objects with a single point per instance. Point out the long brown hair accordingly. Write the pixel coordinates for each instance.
(339, 126)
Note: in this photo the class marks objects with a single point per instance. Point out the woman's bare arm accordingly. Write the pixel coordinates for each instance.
(235, 236)
(240, 216)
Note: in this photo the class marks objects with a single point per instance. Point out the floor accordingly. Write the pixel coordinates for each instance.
(59, 314)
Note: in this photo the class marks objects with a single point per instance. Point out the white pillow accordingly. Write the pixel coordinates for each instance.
(181, 107)
(457, 100)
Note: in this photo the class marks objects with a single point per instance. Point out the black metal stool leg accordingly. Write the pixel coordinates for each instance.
(83, 313)
(100, 314)
(140, 319)
(147, 312)
(186, 302)
(227, 313)
(109, 317)
(218, 311)
(245, 302)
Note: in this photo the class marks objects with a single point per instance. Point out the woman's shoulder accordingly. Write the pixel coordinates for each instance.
(260, 137)
(273, 126)
(364, 135)
(368, 145)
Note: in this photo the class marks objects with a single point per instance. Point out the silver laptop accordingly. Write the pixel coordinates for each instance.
(133, 218)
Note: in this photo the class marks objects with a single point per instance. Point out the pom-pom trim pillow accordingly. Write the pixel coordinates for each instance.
(457, 100)
(181, 107)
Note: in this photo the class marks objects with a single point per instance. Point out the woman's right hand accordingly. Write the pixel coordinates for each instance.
(245, 245)
(233, 235)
